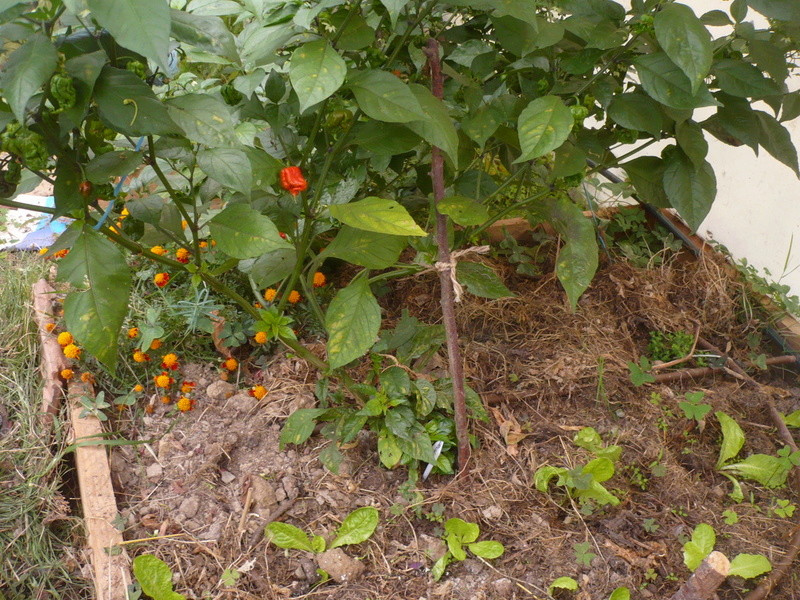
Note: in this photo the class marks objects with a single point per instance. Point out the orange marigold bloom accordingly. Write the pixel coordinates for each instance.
(166, 399)
(230, 364)
(163, 380)
(65, 338)
(140, 356)
(49, 327)
(170, 361)
(187, 387)
(161, 279)
(133, 332)
(260, 337)
(155, 344)
(61, 253)
(319, 279)
(184, 224)
(203, 244)
(213, 243)
(269, 294)
(294, 297)
(185, 404)
(160, 250)
(292, 180)
(138, 388)
(121, 407)
(87, 377)
(182, 255)
(72, 351)
(257, 305)
(67, 374)
(258, 392)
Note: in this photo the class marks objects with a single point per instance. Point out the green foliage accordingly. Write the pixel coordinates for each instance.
(583, 554)
(642, 245)
(639, 372)
(94, 407)
(693, 408)
(701, 545)
(563, 583)
(667, 346)
(357, 527)
(155, 578)
(461, 536)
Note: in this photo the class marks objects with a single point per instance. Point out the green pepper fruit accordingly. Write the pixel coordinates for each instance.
(627, 136)
(231, 95)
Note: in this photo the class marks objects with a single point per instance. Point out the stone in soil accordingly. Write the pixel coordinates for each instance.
(264, 495)
(339, 566)
(220, 390)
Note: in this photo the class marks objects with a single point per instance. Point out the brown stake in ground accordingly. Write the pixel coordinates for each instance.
(706, 579)
(446, 270)
(52, 359)
(780, 569)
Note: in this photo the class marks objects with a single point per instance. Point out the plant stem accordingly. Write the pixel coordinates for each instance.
(445, 267)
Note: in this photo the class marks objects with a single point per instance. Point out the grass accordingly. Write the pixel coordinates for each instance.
(37, 558)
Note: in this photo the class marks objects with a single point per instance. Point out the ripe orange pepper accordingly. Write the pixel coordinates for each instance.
(292, 180)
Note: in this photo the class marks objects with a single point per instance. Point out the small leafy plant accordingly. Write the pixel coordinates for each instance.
(639, 372)
(458, 534)
(357, 527)
(693, 407)
(154, 578)
(94, 407)
(701, 545)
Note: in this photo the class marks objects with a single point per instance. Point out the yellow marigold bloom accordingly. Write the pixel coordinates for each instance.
(257, 305)
(87, 377)
(269, 294)
(43, 251)
(184, 224)
(260, 337)
(124, 213)
(319, 279)
(163, 380)
(182, 255)
(138, 388)
(49, 327)
(133, 332)
(155, 344)
(140, 356)
(203, 244)
(158, 250)
(187, 387)
(184, 404)
(258, 392)
(230, 364)
(65, 338)
(170, 361)
(161, 279)
(67, 374)
(72, 351)
(294, 297)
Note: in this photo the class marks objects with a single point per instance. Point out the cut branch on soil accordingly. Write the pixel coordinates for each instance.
(446, 270)
(706, 579)
(781, 568)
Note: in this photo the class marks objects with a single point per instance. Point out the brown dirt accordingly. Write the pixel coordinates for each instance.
(211, 479)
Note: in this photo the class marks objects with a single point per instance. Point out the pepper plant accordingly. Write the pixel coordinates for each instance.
(294, 132)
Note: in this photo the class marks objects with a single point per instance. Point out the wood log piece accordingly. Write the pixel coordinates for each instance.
(52, 360)
(706, 579)
(779, 571)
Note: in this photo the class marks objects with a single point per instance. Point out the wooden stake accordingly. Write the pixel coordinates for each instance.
(706, 579)
(52, 359)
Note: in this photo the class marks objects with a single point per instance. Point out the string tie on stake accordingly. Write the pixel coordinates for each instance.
(450, 265)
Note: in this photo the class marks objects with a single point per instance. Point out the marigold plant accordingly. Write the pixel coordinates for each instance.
(161, 279)
(182, 255)
(319, 279)
(185, 404)
(170, 361)
(65, 338)
(187, 387)
(87, 377)
(269, 294)
(140, 357)
(155, 344)
(72, 351)
(133, 332)
(258, 392)
(67, 374)
(49, 327)
(260, 337)
(138, 388)
(159, 250)
(230, 364)
(163, 380)
(294, 297)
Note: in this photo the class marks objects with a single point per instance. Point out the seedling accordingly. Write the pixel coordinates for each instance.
(154, 578)
(583, 553)
(730, 516)
(357, 527)
(563, 583)
(784, 508)
(693, 408)
(639, 372)
(95, 406)
(458, 534)
(701, 545)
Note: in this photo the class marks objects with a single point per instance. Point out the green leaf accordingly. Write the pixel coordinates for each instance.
(300, 425)
(155, 578)
(316, 71)
(569, 160)
(691, 191)
(715, 18)
(147, 209)
(389, 451)
(366, 248)
(67, 186)
(577, 260)
(793, 419)
(288, 536)
(357, 527)
(639, 373)
(438, 569)
(318, 542)
(426, 397)
(463, 531)
(589, 439)
(488, 549)
(127, 104)
(139, 25)
(463, 211)
(394, 8)
(543, 126)
(637, 111)
(700, 546)
(621, 593)
(455, 547)
(384, 97)
(384, 138)
(95, 312)
(543, 475)
(516, 36)
(481, 281)
(732, 438)
(118, 163)
(647, 176)
(691, 140)
(331, 457)
(241, 232)
(204, 119)
(738, 78)
(769, 471)
(601, 469)
(437, 127)
(270, 267)
(352, 320)
(777, 140)
(26, 70)
(740, 121)
(207, 33)
(749, 565)
(664, 81)
(563, 583)
(685, 40)
(228, 166)
(378, 215)
(783, 10)
(769, 57)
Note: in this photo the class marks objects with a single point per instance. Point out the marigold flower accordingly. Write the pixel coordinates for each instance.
(213, 243)
(184, 224)
(319, 279)
(258, 392)
(187, 387)
(140, 357)
(185, 404)
(138, 388)
(87, 377)
(133, 332)
(294, 297)
(166, 399)
(61, 253)
(260, 337)
(125, 212)
(182, 255)
(163, 380)
(43, 251)
(257, 305)
(72, 351)
(155, 344)
(292, 180)
(269, 294)
(203, 244)
(230, 364)
(65, 338)
(161, 279)
(160, 250)
(67, 374)
(48, 327)
(170, 361)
